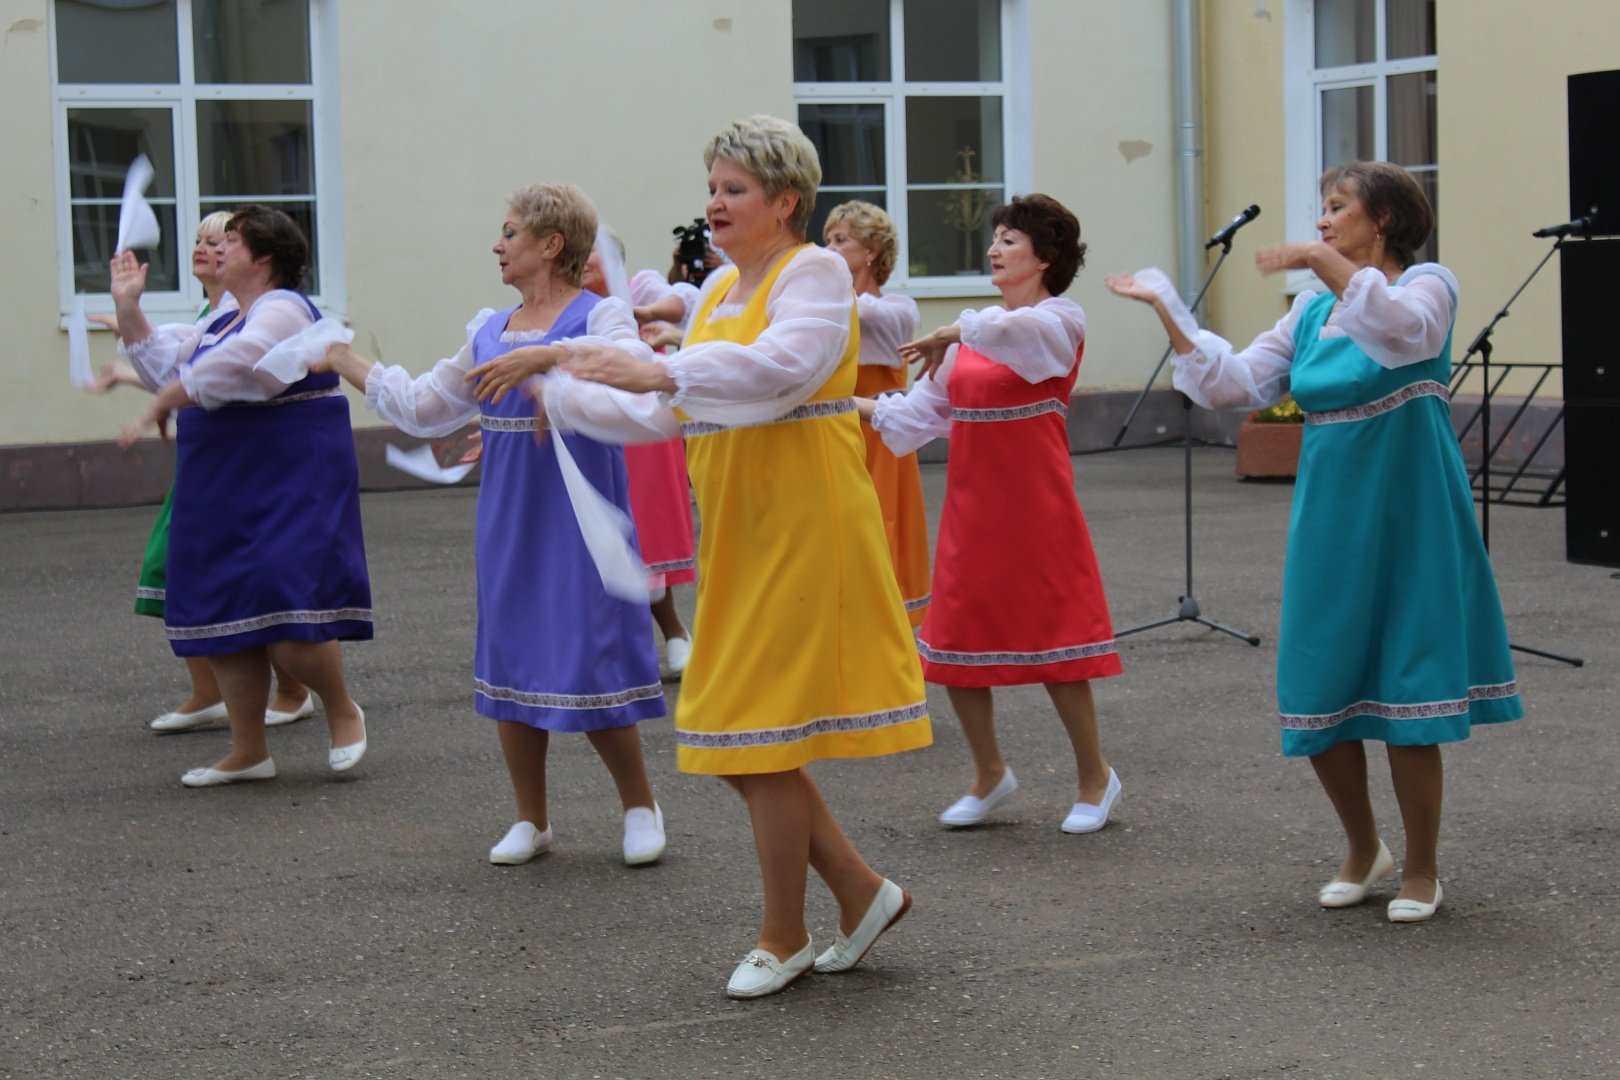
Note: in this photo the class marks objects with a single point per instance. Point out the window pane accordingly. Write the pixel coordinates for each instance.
(1344, 33)
(840, 40)
(103, 142)
(826, 200)
(849, 139)
(254, 150)
(301, 211)
(251, 41)
(101, 42)
(1347, 125)
(953, 40)
(950, 230)
(1411, 121)
(1409, 29)
(953, 140)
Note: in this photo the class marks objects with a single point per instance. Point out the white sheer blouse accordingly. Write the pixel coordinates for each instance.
(1037, 343)
(226, 374)
(649, 287)
(887, 322)
(1395, 324)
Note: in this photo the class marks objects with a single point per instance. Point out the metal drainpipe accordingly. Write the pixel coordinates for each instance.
(1189, 118)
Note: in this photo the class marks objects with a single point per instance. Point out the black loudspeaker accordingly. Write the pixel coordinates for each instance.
(1592, 500)
(1590, 275)
(1594, 150)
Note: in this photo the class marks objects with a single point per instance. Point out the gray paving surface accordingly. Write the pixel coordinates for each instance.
(312, 927)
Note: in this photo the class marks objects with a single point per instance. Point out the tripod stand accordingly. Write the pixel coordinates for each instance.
(1482, 346)
(1188, 611)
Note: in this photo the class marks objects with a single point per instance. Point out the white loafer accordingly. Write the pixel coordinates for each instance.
(972, 810)
(761, 973)
(171, 722)
(678, 651)
(210, 777)
(890, 903)
(1415, 910)
(276, 718)
(643, 835)
(344, 758)
(1340, 894)
(1086, 817)
(521, 843)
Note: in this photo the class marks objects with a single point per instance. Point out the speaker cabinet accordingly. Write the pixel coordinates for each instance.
(1592, 493)
(1594, 151)
(1590, 273)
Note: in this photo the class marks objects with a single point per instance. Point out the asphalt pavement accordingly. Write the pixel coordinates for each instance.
(352, 927)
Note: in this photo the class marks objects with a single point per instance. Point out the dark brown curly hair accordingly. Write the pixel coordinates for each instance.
(1054, 233)
(268, 232)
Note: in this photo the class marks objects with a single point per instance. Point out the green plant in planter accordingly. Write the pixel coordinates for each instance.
(1286, 411)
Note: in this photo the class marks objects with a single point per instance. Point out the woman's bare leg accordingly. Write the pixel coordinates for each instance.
(204, 688)
(976, 712)
(620, 750)
(1078, 711)
(244, 683)
(319, 666)
(1342, 771)
(524, 749)
(1419, 778)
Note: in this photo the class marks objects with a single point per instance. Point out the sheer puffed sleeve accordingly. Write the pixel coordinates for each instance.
(911, 420)
(809, 310)
(601, 412)
(887, 322)
(1037, 343)
(1400, 324)
(225, 374)
(157, 357)
(430, 405)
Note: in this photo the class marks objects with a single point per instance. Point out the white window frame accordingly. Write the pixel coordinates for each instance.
(1303, 83)
(180, 99)
(1016, 127)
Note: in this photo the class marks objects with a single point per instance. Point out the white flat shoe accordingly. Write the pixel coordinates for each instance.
(643, 835)
(887, 908)
(678, 651)
(210, 777)
(1341, 894)
(171, 722)
(344, 758)
(521, 843)
(276, 718)
(972, 810)
(1415, 910)
(761, 973)
(1086, 817)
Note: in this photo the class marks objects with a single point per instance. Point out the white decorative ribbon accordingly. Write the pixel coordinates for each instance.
(79, 345)
(137, 224)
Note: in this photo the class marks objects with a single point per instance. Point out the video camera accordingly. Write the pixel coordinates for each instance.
(692, 249)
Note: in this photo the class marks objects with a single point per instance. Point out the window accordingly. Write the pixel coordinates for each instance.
(221, 95)
(911, 106)
(1365, 72)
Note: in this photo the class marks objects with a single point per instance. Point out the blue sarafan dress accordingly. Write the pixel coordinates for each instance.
(554, 650)
(1391, 624)
(264, 540)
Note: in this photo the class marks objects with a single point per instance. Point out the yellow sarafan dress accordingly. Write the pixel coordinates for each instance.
(801, 648)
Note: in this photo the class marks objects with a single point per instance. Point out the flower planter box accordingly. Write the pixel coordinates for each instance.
(1268, 450)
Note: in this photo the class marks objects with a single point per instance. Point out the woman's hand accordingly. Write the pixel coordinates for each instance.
(1280, 257)
(112, 375)
(929, 351)
(475, 449)
(157, 414)
(866, 408)
(509, 371)
(1125, 285)
(661, 335)
(613, 367)
(128, 278)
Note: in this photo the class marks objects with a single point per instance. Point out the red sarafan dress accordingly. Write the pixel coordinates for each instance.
(1017, 594)
(660, 495)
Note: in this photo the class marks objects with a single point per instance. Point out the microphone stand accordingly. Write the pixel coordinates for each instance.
(1188, 610)
(1482, 346)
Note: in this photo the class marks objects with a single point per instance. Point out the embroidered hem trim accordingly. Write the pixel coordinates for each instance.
(996, 659)
(1425, 711)
(290, 399)
(919, 603)
(732, 740)
(813, 411)
(279, 618)
(568, 701)
(1383, 405)
(671, 566)
(1020, 412)
(146, 592)
(508, 423)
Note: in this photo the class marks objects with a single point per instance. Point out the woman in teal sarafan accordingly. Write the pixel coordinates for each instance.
(1391, 625)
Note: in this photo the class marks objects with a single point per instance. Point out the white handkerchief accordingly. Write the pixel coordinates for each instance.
(606, 530)
(289, 360)
(137, 224)
(618, 282)
(421, 464)
(79, 346)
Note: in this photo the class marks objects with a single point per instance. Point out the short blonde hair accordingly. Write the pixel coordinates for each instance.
(779, 154)
(563, 209)
(873, 229)
(214, 222)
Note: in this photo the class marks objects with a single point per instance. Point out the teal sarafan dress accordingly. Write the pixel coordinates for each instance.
(1391, 624)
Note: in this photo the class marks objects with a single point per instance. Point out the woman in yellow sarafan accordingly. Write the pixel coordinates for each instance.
(801, 646)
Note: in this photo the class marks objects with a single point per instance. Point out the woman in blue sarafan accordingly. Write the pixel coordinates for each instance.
(1391, 625)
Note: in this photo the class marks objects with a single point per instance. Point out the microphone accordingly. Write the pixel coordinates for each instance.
(1579, 227)
(1225, 235)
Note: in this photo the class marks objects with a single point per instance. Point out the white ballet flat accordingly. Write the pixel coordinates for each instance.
(211, 777)
(1341, 894)
(643, 835)
(972, 810)
(1415, 910)
(277, 718)
(886, 909)
(171, 722)
(678, 651)
(762, 973)
(521, 843)
(344, 758)
(1088, 817)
